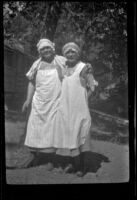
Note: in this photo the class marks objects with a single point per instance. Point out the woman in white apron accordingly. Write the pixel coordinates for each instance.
(43, 95)
(73, 120)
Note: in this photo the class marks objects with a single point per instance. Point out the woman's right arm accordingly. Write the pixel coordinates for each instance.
(31, 76)
(30, 93)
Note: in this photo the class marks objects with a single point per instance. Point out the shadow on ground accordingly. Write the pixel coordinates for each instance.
(92, 160)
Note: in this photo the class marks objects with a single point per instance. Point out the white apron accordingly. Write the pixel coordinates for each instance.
(44, 107)
(73, 119)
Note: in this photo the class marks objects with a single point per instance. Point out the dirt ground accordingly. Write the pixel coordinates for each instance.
(109, 162)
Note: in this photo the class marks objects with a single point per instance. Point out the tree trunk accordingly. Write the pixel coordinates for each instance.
(53, 22)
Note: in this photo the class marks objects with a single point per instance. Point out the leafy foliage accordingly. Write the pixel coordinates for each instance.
(100, 28)
(30, 21)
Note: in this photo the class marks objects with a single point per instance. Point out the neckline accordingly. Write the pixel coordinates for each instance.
(73, 68)
(43, 61)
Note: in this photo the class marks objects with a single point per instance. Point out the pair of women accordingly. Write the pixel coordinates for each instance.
(58, 91)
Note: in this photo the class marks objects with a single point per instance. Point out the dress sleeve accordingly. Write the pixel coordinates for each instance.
(32, 71)
(87, 75)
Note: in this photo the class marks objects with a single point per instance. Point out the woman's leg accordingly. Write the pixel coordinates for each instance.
(51, 162)
(79, 165)
(68, 165)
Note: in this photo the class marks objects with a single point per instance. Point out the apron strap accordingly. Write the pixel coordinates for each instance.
(59, 70)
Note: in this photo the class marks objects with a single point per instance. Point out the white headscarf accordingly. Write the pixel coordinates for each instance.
(45, 43)
(70, 46)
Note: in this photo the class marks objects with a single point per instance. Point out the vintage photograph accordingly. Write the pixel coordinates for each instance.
(66, 92)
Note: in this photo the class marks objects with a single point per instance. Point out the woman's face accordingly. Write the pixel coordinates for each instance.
(72, 56)
(47, 52)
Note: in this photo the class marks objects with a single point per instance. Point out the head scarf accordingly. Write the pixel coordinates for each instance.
(70, 46)
(45, 43)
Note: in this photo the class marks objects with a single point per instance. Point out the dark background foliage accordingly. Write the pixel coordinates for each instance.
(100, 28)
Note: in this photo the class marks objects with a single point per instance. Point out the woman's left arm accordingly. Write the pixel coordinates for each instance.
(87, 79)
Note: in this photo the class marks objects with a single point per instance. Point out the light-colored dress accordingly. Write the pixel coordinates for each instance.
(40, 127)
(73, 120)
